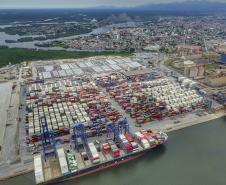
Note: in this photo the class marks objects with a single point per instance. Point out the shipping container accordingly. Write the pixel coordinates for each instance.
(38, 169)
(62, 161)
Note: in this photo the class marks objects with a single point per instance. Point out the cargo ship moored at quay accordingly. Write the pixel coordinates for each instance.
(71, 163)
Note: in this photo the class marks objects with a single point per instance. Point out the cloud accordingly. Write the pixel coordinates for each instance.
(76, 3)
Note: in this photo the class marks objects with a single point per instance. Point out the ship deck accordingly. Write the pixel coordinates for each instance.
(51, 167)
(72, 163)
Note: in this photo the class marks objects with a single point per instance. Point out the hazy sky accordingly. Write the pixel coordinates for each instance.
(75, 3)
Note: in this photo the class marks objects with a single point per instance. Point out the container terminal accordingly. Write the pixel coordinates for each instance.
(91, 156)
(79, 116)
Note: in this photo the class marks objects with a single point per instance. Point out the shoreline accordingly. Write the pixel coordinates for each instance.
(22, 169)
(196, 121)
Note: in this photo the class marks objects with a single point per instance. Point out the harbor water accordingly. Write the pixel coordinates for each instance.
(31, 44)
(192, 156)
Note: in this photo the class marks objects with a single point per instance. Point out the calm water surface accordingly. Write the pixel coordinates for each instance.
(192, 156)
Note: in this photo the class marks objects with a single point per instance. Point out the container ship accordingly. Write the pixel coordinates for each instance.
(90, 156)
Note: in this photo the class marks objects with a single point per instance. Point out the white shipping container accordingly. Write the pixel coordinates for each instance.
(145, 144)
(62, 161)
(93, 151)
(39, 177)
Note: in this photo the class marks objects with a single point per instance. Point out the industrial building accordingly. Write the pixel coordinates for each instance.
(194, 70)
(66, 68)
(189, 49)
(216, 78)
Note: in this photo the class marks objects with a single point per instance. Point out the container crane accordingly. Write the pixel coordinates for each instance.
(209, 104)
(47, 138)
(123, 125)
(79, 134)
(113, 128)
(221, 98)
(98, 126)
(110, 128)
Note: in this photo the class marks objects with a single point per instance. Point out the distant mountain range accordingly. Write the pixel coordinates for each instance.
(204, 6)
(187, 6)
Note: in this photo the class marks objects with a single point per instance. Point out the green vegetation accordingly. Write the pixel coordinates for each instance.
(211, 56)
(171, 64)
(30, 39)
(25, 39)
(168, 50)
(211, 66)
(47, 31)
(18, 55)
(10, 41)
(55, 43)
(164, 50)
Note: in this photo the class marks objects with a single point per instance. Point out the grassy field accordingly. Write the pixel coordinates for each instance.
(18, 55)
(170, 63)
(211, 66)
(211, 56)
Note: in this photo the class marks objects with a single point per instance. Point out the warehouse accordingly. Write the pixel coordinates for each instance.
(55, 68)
(138, 72)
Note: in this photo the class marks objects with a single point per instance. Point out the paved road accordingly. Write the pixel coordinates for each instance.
(131, 121)
(10, 144)
(5, 94)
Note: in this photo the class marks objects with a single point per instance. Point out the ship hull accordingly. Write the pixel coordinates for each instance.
(97, 168)
(116, 163)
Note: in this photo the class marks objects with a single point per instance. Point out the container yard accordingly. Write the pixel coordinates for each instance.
(85, 115)
(65, 102)
(148, 100)
(77, 129)
(144, 94)
(96, 154)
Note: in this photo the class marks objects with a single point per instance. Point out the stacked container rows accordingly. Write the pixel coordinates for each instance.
(65, 102)
(149, 100)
